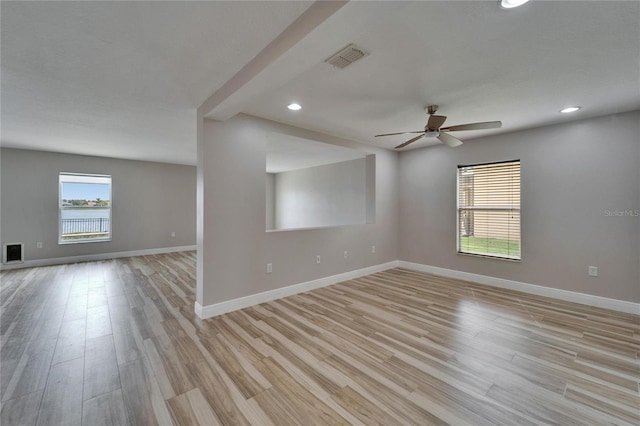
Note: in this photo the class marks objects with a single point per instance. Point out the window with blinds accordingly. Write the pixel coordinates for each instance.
(489, 209)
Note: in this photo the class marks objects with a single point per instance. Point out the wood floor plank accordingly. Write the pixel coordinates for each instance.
(30, 374)
(216, 393)
(467, 402)
(96, 295)
(136, 393)
(363, 409)
(280, 410)
(245, 383)
(101, 374)
(62, 398)
(201, 409)
(157, 365)
(504, 373)
(127, 348)
(22, 410)
(76, 307)
(7, 372)
(98, 321)
(295, 357)
(245, 362)
(105, 410)
(622, 396)
(117, 342)
(554, 411)
(398, 402)
(171, 366)
(600, 403)
(287, 387)
(181, 410)
(71, 341)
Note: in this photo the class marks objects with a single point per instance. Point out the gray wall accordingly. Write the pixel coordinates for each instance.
(328, 195)
(271, 201)
(235, 245)
(150, 200)
(572, 174)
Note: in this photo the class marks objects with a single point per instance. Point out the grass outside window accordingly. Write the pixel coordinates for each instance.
(490, 246)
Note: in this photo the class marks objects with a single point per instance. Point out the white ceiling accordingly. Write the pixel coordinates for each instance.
(122, 79)
(475, 60)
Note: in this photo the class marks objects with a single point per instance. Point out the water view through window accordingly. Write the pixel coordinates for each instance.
(85, 208)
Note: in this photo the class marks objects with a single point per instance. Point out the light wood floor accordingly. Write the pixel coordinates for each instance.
(117, 342)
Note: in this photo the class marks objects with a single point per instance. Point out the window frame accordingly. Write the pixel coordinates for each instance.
(60, 208)
(518, 209)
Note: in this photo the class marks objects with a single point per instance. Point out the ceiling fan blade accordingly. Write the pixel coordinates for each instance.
(435, 121)
(449, 140)
(412, 140)
(401, 133)
(474, 126)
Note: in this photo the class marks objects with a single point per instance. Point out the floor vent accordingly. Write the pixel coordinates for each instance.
(13, 253)
(347, 56)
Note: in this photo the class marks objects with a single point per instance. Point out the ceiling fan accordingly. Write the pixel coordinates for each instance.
(432, 129)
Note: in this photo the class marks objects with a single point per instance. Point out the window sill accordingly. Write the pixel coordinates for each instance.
(486, 256)
(311, 228)
(101, 240)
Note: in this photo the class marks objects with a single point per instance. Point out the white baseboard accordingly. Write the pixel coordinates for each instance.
(216, 309)
(255, 299)
(94, 257)
(555, 293)
(570, 296)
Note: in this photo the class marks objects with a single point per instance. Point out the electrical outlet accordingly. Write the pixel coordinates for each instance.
(373, 249)
(593, 271)
(173, 234)
(39, 244)
(346, 254)
(269, 268)
(318, 259)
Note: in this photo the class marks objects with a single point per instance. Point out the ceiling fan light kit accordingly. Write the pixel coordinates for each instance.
(511, 4)
(434, 128)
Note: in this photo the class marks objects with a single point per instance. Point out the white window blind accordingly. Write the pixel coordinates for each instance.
(489, 209)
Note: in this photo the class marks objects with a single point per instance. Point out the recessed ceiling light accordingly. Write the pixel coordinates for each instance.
(510, 4)
(294, 107)
(567, 110)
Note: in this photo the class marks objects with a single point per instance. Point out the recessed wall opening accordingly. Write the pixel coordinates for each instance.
(310, 184)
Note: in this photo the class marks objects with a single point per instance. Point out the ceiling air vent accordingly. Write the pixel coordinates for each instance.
(347, 56)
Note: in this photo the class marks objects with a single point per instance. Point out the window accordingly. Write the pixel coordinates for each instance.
(489, 209)
(85, 208)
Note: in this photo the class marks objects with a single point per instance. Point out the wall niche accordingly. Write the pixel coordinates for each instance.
(311, 184)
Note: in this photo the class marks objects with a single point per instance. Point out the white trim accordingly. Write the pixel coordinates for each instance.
(93, 257)
(255, 299)
(555, 293)
(216, 309)
(199, 310)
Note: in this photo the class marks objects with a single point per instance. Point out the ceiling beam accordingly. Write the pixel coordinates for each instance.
(315, 15)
